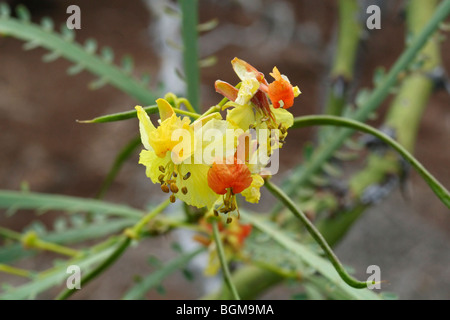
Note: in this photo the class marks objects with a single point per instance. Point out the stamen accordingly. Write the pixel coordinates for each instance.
(172, 198)
(162, 169)
(161, 178)
(173, 187)
(229, 219)
(184, 190)
(175, 174)
(187, 176)
(216, 213)
(165, 188)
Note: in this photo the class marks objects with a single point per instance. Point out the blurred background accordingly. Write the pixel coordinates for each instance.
(42, 144)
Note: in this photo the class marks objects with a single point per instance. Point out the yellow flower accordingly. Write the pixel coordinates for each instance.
(250, 107)
(169, 155)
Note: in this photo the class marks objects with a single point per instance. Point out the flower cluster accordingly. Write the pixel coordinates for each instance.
(206, 163)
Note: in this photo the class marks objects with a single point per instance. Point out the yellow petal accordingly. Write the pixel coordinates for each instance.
(245, 71)
(247, 90)
(165, 109)
(199, 193)
(252, 193)
(242, 116)
(167, 136)
(145, 127)
(152, 163)
(283, 116)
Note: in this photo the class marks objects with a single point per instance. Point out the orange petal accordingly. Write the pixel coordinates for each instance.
(226, 89)
(242, 68)
(224, 176)
(280, 92)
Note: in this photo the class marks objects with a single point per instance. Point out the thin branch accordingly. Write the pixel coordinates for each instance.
(280, 195)
(223, 261)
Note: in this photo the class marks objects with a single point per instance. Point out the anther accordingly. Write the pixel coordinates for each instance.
(216, 213)
(172, 198)
(161, 168)
(184, 190)
(229, 220)
(173, 187)
(175, 174)
(165, 188)
(161, 178)
(233, 207)
(186, 176)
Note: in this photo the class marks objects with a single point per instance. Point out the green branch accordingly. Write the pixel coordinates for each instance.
(189, 9)
(280, 195)
(223, 261)
(131, 233)
(347, 46)
(99, 269)
(133, 114)
(434, 184)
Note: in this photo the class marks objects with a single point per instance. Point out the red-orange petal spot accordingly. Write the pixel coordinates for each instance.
(223, 176)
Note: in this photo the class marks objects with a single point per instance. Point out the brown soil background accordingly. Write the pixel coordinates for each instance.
(41, 143)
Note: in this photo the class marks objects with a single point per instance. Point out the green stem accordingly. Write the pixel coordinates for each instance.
(434, 184)
(9, 234)
(223, 261)
(31, 240)
(186, 102)
(189, 9)
(133, 114)
(347, 47)
(187, 113)
(348, 39)
(98, 270)
(16, 271)
(132, 233)
(137, 229)
(280, 195)
(260, 279)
